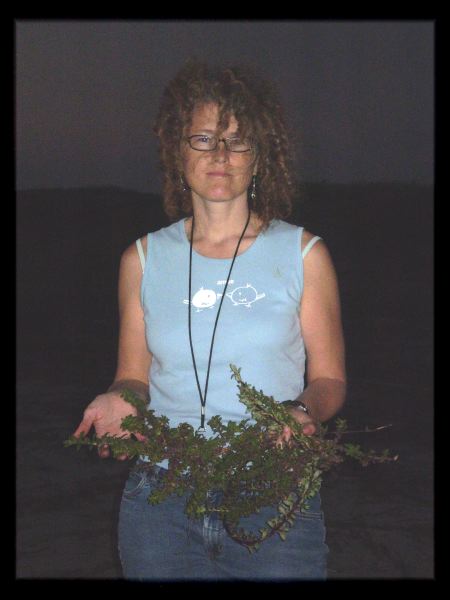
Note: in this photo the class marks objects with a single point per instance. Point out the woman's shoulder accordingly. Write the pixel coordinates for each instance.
(130, 257)
(306, 237)
(132, 249)
(133, 259)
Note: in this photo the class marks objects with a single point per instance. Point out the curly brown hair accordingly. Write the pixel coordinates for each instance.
(240, 91)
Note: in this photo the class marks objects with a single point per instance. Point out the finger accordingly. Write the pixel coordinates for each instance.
(279, 443)
(287, 432)
(84, 426)
(283, 438)
(309, 429)
(103, 451)
(123, 457)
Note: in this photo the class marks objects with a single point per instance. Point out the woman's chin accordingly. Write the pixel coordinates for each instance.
(218, 196)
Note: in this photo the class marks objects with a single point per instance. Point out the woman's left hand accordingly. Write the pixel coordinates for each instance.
(308, 426)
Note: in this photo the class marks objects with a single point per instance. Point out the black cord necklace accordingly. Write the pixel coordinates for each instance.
(203, 397)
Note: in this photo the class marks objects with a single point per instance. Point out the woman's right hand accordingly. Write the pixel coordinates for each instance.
(106, 413)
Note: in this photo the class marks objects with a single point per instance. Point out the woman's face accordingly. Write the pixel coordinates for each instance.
(216, 175)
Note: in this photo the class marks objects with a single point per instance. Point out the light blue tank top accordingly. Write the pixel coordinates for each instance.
(258, 328)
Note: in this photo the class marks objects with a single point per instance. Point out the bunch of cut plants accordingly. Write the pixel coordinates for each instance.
(240, 460)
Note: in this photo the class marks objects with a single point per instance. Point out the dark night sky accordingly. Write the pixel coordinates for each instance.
(358, 95)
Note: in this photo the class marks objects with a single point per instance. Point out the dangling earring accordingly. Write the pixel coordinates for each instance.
(183, 185)
(253, 192)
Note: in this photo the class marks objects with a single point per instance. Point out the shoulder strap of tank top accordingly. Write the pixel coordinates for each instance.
(310, 244)
(141, 253)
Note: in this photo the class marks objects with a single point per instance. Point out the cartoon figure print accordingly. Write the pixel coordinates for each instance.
(204, 299)
(244, 296)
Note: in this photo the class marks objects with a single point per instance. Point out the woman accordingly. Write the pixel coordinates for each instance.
(231, 283)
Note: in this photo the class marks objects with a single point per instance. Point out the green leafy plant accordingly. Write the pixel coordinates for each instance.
(240, 460)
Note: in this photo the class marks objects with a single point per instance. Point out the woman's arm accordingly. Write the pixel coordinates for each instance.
(107, 410)
(133, 356)
(321, 326)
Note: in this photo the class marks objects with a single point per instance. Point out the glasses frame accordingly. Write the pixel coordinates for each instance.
(218, 140)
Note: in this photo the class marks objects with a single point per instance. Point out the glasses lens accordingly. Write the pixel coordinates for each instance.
(202, 142)
(239, 144)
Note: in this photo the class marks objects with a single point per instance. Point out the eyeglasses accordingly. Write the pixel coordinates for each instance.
(206, 143)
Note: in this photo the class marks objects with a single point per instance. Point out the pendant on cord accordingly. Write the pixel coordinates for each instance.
(202, 429)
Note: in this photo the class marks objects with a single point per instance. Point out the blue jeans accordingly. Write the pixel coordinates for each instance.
(160, 542)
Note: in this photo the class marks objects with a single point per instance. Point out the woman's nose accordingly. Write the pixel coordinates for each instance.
(221, 152)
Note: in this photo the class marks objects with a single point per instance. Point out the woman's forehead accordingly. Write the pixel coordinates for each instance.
(206, 117)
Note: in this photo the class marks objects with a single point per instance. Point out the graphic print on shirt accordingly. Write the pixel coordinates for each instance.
(240, 296)
(245, 296)
(204, 299)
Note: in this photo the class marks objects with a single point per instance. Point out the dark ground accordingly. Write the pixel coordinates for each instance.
(380, 519)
